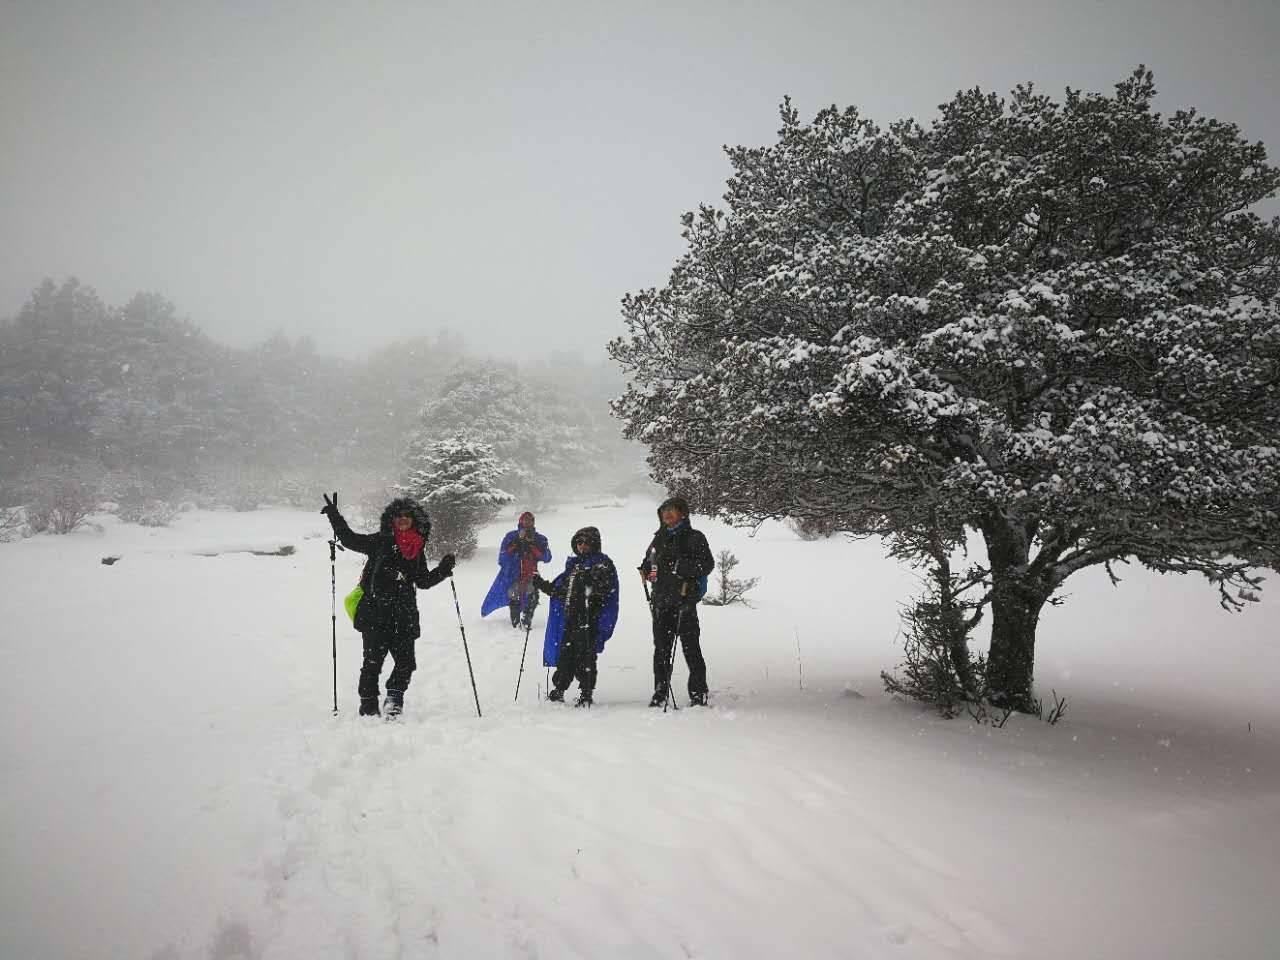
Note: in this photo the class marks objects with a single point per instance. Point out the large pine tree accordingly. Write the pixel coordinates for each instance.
(1054, 323)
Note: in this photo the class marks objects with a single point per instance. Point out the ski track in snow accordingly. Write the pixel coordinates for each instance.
(824, 822)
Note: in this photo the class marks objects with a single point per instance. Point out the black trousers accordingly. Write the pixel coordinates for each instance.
(577, 660)
(376, 648)
(529, 598)
(666, 620)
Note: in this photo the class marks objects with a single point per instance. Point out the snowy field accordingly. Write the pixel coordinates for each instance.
(175, 786)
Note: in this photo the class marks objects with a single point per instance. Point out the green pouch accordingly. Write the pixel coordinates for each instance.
(352, 600)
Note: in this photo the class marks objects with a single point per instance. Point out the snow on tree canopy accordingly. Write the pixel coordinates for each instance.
(455, 479)
(1054, 323)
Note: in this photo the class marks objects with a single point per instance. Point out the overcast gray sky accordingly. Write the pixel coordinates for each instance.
(358, 172)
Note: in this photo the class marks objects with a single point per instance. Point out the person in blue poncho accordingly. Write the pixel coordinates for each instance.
(584, 611)
(518, 557)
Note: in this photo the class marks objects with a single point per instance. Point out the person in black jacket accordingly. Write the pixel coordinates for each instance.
(676, 566)
(584, 610)
(387, 616)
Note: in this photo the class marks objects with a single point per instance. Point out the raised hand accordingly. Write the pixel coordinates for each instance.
(445, 566)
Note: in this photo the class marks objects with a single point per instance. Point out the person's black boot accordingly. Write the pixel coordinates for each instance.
(584, 699)
(515, 614)
(659, 697)
(698, 699)
(393, 706)
(556, 695)
(369, 707)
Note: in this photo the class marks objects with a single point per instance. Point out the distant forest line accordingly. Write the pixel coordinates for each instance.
(136, 404)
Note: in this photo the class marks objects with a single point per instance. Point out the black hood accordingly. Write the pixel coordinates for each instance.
(403, 505)
(680, 503)
(593, 538)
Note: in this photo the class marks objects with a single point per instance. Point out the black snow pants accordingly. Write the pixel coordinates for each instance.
(577, 660)
(376, 648)
(665, 621)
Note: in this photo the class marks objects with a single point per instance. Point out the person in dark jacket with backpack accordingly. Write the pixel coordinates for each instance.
(584, 611)
(387, 616)
(676, 566)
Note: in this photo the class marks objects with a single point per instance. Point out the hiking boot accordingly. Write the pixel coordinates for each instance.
(658, 699)
(584, 700)
(698, 699)
(369, 707)
(393, 706)
(556, 695)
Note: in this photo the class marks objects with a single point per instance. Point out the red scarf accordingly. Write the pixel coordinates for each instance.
(410, 543)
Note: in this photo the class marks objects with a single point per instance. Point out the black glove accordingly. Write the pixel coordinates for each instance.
(330, 508)
(445, 566)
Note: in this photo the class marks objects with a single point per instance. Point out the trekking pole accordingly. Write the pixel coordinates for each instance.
(675, 638)
(458, 607)
(671, 664)
(527, 627)
(333, 615)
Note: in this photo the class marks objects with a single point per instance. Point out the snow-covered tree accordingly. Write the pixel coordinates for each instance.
(540, 430)
(455, 479)
(1052, 323)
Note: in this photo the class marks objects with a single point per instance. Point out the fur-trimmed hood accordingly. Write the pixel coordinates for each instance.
(403, 505)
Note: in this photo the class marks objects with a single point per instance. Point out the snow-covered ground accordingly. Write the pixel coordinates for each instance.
(174, 785)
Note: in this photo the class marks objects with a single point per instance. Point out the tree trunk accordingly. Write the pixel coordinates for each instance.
(1016, 602)
(1011, 661)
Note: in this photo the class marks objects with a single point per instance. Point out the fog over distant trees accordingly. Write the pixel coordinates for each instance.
(135, 405)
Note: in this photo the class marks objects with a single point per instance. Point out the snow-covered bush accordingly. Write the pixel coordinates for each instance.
(812, 528)
(13, 523)
(61, 505)
(147, 513)
(1052, 323)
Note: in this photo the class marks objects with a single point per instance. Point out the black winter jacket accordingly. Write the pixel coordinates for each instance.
(389, 579)
(682, 557)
